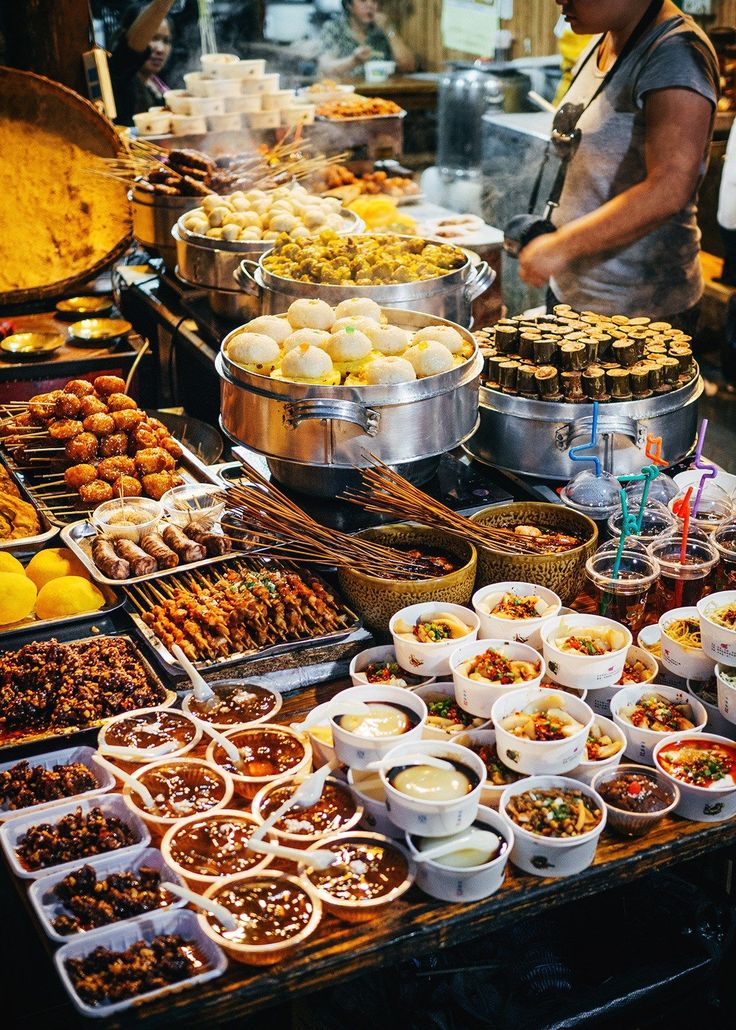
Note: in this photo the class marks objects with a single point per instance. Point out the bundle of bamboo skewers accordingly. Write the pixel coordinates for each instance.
(387, 492)
(262, 516)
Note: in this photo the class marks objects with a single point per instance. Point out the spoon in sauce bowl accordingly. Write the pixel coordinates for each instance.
(334, 707)
(135, 785)
(388, 762)
(203, 692)
(225, 743)
(482, 840)
(223, 915)
(307, 793)
(317, 859)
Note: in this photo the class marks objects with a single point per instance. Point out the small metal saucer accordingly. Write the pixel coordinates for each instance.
(81, 307)
(98, 330)
(30, 346)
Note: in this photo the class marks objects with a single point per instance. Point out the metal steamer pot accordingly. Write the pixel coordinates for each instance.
(312, 436)
(448, 296)
(534, 437)
(154, 217)
(211, 265)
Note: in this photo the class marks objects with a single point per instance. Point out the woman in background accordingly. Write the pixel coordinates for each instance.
(142, 50)
(361, 33)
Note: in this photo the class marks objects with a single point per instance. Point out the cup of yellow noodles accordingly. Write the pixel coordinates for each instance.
(682, 648)
(717, 614)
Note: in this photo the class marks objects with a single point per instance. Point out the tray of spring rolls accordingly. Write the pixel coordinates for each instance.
(132, 540)
(235, 608)
(75, 448)
(70, 682)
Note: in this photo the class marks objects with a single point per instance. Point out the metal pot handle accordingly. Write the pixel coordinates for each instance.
(368, 419)
(244, 276)
(567, 435)
(481, 278)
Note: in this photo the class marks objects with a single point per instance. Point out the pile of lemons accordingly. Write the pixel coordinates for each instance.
(54, 584)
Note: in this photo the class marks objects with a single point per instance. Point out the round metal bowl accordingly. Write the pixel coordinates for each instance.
(154, 216)
(30, 346)
(449, 296)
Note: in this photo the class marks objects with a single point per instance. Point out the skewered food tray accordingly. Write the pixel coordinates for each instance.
(235, 609)
(23, 526)
(50, 689)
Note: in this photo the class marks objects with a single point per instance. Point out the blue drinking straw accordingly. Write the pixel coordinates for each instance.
(574, 452)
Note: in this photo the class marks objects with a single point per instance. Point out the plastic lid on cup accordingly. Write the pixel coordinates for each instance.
(725, 540)
(638, 569)
(656, 518)
(715, 507)
(591, 495)
(662, 489)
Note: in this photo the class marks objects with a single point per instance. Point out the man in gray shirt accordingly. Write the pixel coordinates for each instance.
(627, 240)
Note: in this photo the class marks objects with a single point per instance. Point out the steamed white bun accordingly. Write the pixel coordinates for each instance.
(310, 313)
(443, 334)
(270, 325)
(255, 351)
(386, 371)
(429, 358)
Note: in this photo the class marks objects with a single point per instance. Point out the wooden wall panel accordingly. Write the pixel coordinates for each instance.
(726, 12)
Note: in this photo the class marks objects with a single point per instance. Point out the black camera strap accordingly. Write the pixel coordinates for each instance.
(644, 23)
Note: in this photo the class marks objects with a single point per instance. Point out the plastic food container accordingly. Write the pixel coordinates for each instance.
(586, 672)
(243, 105)
(431, 659)
(357, 910)
(178, 101)
(538, 757)
(149, 717)
(188, 124)
(225, 687)
(218, 64)
(268, 83)
(236, 69)
(357, 751)
(298, 114)
(248, 786)
(230, 122)
(383, 653)
(277, 100)
(490, 794)
(379, 71)
(261, 954)
(193, 771)
(82, 755)
(264, 119)
(726, 693)
(719, 642)
(477, 697)
(640, 742)
(524, 631)
(552, 856)
(703, 691)
(469, 883)
(588, 770)
(368, 788)
(434, 692)
(172, 845)
(129, 519)
(299, 839)
(691, 663)
(431, 818)
(206, 106)
(193, 501)
(121, 936)
(152, 123)
(636, 824)
(701, 804)
(14, 830)
(48, 907)
(600, 700)
(200, 86)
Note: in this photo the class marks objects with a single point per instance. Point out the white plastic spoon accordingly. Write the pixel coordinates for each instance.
(401, 760)
(473, 838)
(221, 914)
(227, 745)
(203, 692)
(318, 859)
(135, 785)
(334, 707)
(132, 754)
(307, 793)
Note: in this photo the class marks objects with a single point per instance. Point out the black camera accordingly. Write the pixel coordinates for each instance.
(522, 229)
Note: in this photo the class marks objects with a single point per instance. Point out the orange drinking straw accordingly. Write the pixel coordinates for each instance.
(684, 512)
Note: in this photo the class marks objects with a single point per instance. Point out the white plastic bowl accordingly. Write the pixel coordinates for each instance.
(433, 818)
(231, 122)
(152, 123)
(188, 124)
(541, 757)
(264, 119)
(382, 653)
(702, 804)
(206, 106)
(278, 100)
(237, 69)
(178, 101)
(552, 856)
(206, 87)
(719, 643)
(268, 83)
(211, 63)
(147, 510)
(689, 663)
(524, 631)
(369, 790)
(490, 794)
(717, 722)
(600, 700)
(471, 883)
(587, 770)
(726, 694)
(586, 672)
(640, 742)
(430, 692)
(243, 105)
(430, 659)
(357, 751)
(477, 697)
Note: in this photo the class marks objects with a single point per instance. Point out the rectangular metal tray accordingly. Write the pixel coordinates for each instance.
(74, 536)
(172, 666)
(114, 600)
(192, 470)
(27, 543)
(65, 735)
(361, 118)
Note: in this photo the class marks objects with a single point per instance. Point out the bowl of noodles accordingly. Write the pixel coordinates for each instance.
(585, 651)
(718, 626)
(682, 648)
(648, 712)
(485, 670)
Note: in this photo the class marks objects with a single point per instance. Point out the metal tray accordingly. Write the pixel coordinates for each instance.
(66, 734)
(114, 600)
(360, 118)
(172, 666)
(75, 535)
(189, 466)
(27, 543)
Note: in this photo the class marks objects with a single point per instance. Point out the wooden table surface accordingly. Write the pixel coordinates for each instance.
(415, 923)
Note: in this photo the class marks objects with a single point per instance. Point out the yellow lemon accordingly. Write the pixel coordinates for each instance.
(68, 595)
(52, 563)
(17, 597)
(10, 564)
